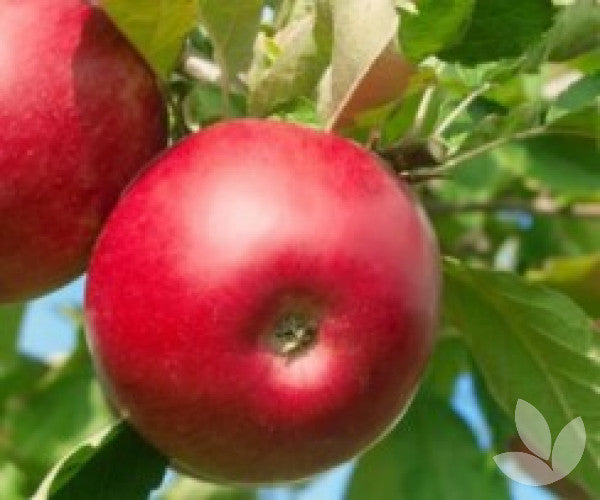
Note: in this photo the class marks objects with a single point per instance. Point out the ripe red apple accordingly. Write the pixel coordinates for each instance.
(80, 114)
(262, 301)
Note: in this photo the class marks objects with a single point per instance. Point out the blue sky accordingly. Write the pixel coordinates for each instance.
(47, 332)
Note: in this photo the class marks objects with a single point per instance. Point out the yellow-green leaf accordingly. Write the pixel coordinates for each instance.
(157, 28)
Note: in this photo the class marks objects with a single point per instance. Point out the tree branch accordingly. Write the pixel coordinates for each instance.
(540, 206)
(421, 114)
(453, 162)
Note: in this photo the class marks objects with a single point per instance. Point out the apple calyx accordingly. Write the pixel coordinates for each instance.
(293, 333)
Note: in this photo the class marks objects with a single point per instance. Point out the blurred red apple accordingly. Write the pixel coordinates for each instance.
(262, 301)
(80, 114)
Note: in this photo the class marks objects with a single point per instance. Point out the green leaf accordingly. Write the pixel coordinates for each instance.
(290, 10)
(578, 277)
(552, 236)
(232, 27)
(289, 65)
(10, 322)
(204, 104)
(565, 164)
(501, 29)
(449, 360)
(575, 30)
(588, 62)
(579, 236)
(188, 488)
(431, 454)
(583, 123)
(301, 110)
(450, 18)
(502, 426)
(480, 178)
(397, 119)
(534, 344)
(19, 378)
(376, 27)
(12, 482)
(157, 28)
(115, 463)
(584, 93)
(48, 410)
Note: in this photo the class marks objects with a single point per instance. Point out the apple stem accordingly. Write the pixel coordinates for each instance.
(293, 333)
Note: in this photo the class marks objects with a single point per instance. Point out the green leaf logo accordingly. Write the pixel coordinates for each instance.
(535, 434)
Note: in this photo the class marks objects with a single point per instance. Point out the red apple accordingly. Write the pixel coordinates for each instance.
(262, 301)
(80, 114)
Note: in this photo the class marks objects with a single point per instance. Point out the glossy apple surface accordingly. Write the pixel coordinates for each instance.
(262, 301)
(80, 114)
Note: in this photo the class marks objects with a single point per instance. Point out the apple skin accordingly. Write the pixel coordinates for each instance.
(235, 228)
(80, 115)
